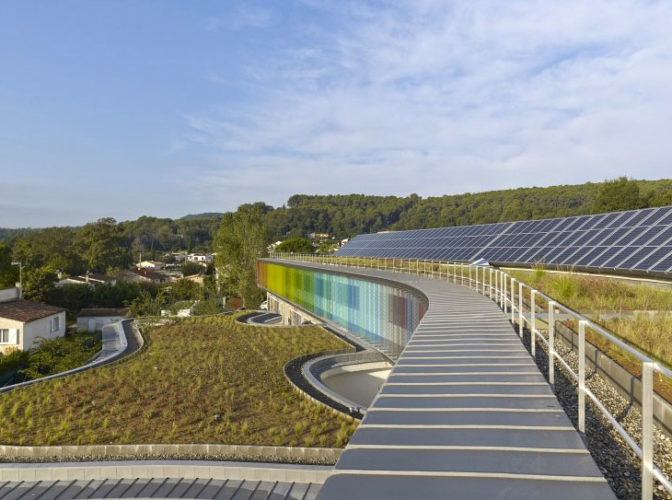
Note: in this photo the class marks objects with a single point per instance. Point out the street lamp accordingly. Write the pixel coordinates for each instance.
(18, 263)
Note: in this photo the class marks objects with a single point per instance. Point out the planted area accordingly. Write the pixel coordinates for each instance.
(200, 380)
(50, 357)
(639, 314)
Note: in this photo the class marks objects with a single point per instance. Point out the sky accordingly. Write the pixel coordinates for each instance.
(156, 107)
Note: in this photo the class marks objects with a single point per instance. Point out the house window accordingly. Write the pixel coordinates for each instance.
(9, 336)
(55, 324)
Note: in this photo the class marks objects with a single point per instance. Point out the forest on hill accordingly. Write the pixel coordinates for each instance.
(341, 216)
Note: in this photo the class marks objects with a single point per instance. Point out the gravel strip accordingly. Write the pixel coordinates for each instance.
(617, 461)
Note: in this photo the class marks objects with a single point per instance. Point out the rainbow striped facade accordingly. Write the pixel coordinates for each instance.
(382, 315)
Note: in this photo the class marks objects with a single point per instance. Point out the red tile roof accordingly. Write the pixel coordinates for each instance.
(26, 310)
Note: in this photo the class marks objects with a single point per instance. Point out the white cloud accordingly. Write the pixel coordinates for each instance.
(437, 97)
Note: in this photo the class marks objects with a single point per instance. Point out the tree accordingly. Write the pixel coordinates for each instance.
(240, 241)
(9, 274)
(617, 194)
(100, 245)
(295, 245)
(186, 290)
(49, 247)
(38, 283)
(191, 268)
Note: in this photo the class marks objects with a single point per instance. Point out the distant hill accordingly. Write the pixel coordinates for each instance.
(206, 215)
(8, 234)
(344, 216)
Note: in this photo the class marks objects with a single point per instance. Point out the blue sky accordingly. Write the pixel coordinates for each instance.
(124, 108)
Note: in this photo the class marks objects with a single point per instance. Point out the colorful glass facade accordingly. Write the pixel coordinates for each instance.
(382, 315)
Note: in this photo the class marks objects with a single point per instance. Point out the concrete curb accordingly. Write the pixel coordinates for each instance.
(160, 469)
(162, 451)
(109, 355)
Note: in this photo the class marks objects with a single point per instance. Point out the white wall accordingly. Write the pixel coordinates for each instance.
(41, 328)
(95, 323)
(7, 294)
(10, 324)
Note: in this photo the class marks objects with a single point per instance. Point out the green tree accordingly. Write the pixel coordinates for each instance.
(186, 290)
(39, 283)
(49, 247)
(295, 245)
(617, 194)
(9, 274)
(191, 268)
(240, 241)
(100, 245)
(147, 305)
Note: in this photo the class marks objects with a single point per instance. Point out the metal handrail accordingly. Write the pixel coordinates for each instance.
(503, 293)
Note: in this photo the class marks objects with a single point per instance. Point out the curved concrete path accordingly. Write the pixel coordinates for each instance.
(465, 413)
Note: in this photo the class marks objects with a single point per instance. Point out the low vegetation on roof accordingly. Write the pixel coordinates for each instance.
(201, 380)
(640, 314)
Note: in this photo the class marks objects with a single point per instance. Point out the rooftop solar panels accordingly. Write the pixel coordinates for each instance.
(633, 240)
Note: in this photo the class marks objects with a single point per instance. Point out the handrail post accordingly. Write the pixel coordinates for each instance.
(647, 429)
(582, 376)
(551, 342)
(533, 324)
(490, 285)
(461, 274)
(513, 301)
(497, 286)
(470, 278)
(520, 309)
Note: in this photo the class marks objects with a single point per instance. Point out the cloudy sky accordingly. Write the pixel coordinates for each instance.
(124, 108)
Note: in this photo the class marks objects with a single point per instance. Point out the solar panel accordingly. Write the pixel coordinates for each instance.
(633, 239)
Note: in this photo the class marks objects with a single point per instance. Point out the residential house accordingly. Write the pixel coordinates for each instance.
(154, 265)
(201, 258)
(143, 275)
(91, 279)
(24, 322)
(94, 319)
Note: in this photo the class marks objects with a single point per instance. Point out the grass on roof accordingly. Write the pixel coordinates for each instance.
(200, 380)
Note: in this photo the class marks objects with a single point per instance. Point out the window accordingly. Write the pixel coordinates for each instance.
(55, 324)
(9, 336)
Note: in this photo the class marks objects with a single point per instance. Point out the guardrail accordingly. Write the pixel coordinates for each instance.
(509, 293)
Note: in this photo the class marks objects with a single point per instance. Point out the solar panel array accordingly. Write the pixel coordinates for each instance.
(632, 240)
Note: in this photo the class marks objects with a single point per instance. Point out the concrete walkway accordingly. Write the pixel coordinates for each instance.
(465, 413)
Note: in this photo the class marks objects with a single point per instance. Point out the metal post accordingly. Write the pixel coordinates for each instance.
(513, 301)
(484, 281)
(582, 375)
(503, 290)
(496, 286)
(461, 274)
(533, 323)
(490, 285)
(551, 342)
(520, 310)
(470, 278)
(647, 429)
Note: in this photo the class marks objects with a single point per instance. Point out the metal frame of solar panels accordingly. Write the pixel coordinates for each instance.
(632, 241)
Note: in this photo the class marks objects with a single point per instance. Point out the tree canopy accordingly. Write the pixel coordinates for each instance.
(241, 240)
(618, 194)
(295, 245)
